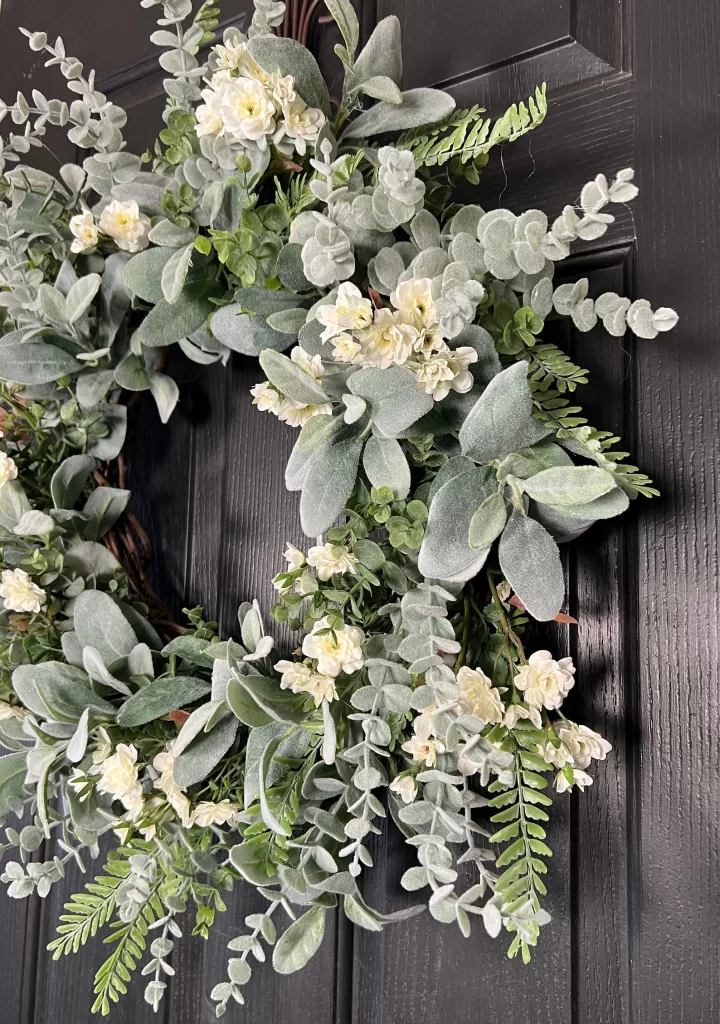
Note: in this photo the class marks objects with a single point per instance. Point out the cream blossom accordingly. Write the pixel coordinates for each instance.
(479, 696)
(351, 311)
(517, 711)
(8, 469)
(294, 675)
(231, 54)
(300, 123)
(545, 682)
(207, 813)
(338, 650)
(321, 688)
(296, 415)
(346, 348)
(8, 711)
(265, 397)
(283, 89)
(435, 375)
(124, 223)
(164, 763)
(294, 557)
(208, 115)
(311, 364)
(406, 787)
(19, 593)
(583, 744)
(580, 779)
(330, 559)
(459, 360)
(425, 750)
(388, 340)
(247, 110)
(84, 230)
(104, 746)
(119, 778)
(414, 301)
(558, 756)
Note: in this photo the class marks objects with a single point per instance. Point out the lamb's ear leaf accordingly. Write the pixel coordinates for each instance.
(530, 561)
(488, 522)
(382, 54)
(386, 466)
(501, 420)
(244, 333)
(419, 107)
(69, 479)
(563, 487)
(393, 397)
(292, 58)
(205, 752)
(290, 378)
(34, 361)
(328, 485)
(300, 941)
(99, 623)
(446, 553)
(344, 16)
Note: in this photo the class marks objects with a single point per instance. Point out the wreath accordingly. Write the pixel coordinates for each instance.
(441, 459)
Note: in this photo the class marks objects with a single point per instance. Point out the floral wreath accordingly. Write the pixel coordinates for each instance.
(440, 461)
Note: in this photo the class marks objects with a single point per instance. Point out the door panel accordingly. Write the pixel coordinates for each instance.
(633, 885)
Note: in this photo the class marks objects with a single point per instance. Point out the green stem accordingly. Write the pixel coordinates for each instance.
(460, 660)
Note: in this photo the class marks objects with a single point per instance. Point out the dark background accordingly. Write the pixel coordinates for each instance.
(634, 880)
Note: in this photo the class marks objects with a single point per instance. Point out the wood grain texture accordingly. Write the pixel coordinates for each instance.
(677, 945)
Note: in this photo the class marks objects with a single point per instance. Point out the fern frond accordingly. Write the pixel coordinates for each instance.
(87, 912)
(466, 135)
(130, 939)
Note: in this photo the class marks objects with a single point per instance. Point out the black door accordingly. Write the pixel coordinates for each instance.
(634, 884)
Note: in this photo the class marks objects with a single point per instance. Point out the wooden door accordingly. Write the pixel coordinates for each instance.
(634, 884)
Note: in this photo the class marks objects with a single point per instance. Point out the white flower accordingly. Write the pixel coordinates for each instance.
(479, 696)
(104, 747)
(301, 123)
(580, 779)
(265, 397)
(209, 114)
(406, 788)
(459, 359)
(247, 111)
(546, 682)
(294, 557)
(8, 469)
(346, 349)
(283, 89)
(296, 415)
(388, 340)
(350, 312)
(84, 230)
(311, 364)
(321, 688)
(232, 54)
(425, 750)
(19, 592)
(435, 375)
(119, 778)
(517, 711)
(582, 743)
(164, 763)
(124, 223)
(330, 559)
(557, 756)
(8, 711)
(207, 813)
(336, 651)
(424, 725)
(413, 299)
(294, 675)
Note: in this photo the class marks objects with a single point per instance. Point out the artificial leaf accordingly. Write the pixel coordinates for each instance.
(328, 485)
(530, 561)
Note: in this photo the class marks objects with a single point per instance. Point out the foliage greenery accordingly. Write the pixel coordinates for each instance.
(441, 460)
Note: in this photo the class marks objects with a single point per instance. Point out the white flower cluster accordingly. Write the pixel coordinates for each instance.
(328, 560)
(121, 222)
(407, 335)
(268, 399)
(335, 650)
(577, 747)
(244, 104)
(118, 773)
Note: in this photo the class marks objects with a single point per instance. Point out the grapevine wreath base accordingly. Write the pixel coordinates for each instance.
(440, 461)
